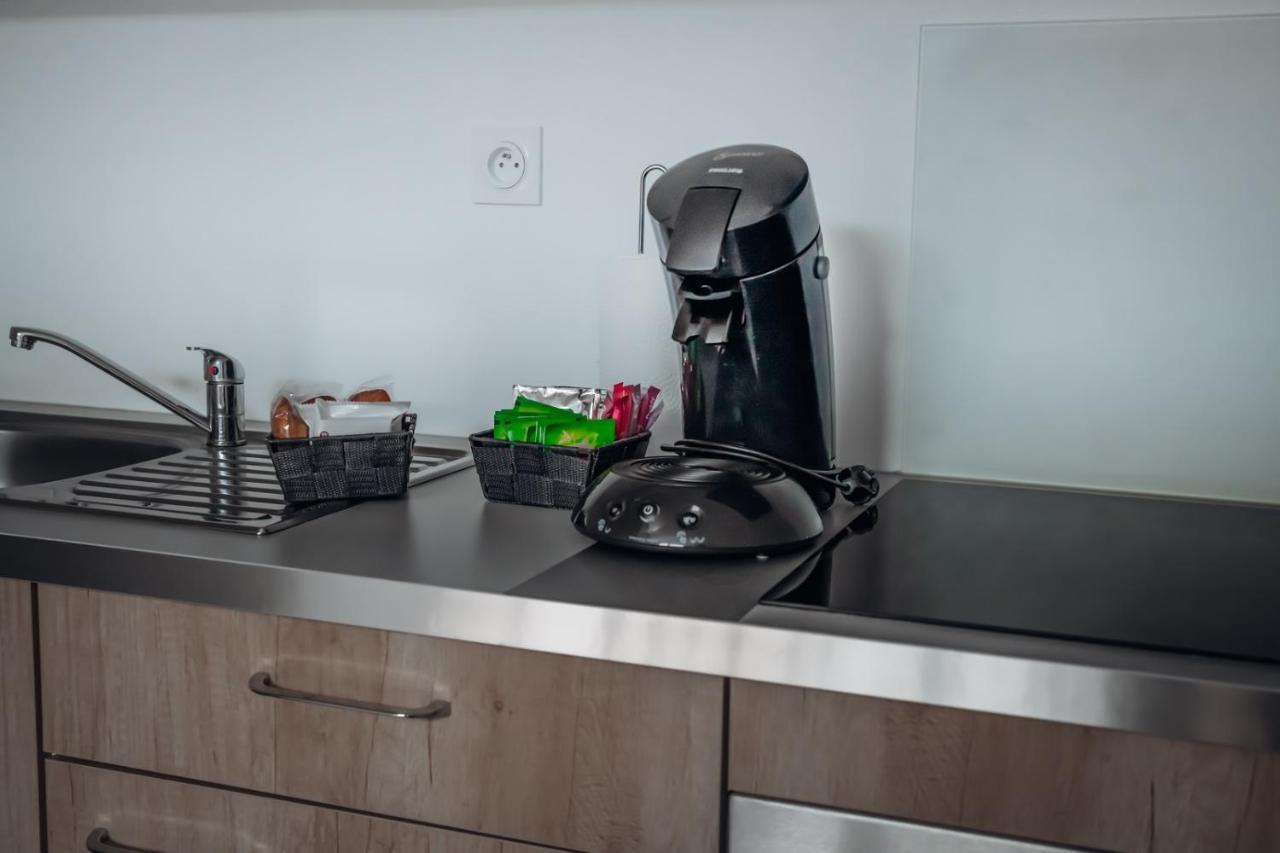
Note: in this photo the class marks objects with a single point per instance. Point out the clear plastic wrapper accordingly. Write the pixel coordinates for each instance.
(326, 418)
(286, 420)
(377, 390)
(315, 409)
(307, 391)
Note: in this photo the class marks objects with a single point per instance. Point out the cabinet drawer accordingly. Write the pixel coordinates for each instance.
(19, 751)
(769, 826)
(550, 749)
(128, 812)
(1059, 783)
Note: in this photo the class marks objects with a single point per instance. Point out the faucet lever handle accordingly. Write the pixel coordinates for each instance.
(220, 367)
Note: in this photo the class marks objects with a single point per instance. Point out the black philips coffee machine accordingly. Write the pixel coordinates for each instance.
(738, 233)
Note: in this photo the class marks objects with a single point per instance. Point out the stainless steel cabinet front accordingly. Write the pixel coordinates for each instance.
(769, 826)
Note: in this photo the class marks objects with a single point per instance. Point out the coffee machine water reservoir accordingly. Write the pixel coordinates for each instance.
(738, 232)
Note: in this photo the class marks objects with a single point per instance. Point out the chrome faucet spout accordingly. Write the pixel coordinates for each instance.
(223, 422)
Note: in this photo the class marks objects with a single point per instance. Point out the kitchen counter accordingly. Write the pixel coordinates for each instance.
(444, 562)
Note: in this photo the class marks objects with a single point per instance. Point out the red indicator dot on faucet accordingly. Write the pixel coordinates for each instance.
(213, 370)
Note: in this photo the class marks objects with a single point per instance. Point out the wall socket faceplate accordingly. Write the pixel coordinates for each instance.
(506, 164)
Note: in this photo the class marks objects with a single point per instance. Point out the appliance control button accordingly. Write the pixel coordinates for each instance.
(648, 511)
(821, 266)
(614, 511)
(690, 517)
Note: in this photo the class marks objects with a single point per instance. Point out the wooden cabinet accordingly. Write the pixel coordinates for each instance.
(575, 754)
(1005, 775)
(141, 683)
(167, 817)
(579, 754)
(19, 749)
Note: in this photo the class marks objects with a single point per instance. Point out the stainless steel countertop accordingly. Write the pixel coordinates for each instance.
(446, 563)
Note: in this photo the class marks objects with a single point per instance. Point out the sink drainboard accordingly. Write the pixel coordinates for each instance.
(235, 488)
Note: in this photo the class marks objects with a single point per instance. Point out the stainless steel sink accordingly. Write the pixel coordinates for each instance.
(30, 456)
(167, 473)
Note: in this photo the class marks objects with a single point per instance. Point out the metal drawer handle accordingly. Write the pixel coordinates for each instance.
(98, 841)
(261, 684)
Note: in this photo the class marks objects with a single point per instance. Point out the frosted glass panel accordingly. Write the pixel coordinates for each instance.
(1095, 294)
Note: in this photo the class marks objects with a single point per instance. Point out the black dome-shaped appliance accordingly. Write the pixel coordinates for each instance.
(697, 504)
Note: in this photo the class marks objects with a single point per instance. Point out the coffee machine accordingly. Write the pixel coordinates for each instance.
(737, 230)
(738, 233)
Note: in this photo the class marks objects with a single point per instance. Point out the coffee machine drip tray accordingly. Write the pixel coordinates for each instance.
(1176, 575)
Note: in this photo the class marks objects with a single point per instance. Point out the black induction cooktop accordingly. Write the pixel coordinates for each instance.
(1155, 573)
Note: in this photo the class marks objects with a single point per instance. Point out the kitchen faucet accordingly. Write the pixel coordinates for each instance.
(223, 378)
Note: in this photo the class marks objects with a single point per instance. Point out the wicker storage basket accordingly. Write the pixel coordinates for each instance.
(344, 467)
(543, 475)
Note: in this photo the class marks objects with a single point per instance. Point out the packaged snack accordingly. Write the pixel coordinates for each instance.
(325, 418)
(527, 405)
(623, 410)
(588, 402)
(377, 390)
(635, 408)
(313, 409)
(371, 395)
(542, 423)
(514, 425)
(286, 420)
(581, 432)
(305, 392)
(649, 409)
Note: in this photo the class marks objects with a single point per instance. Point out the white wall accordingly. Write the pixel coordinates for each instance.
(290, 186)
(1095, 285)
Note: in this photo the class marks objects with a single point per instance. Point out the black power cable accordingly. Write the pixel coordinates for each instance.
(857, 483)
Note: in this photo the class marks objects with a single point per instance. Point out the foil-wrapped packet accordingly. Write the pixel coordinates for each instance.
(588, 402)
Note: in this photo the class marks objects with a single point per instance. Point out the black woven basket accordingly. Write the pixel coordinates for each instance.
(545, 475)
(344, 467)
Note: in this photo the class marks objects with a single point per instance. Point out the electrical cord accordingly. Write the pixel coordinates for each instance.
(857, 483)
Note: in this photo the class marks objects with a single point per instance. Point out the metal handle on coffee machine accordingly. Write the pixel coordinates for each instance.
(644, 197)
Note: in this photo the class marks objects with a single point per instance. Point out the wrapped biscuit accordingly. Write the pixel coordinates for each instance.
(374, 391)
(348, 418)
(286, 420)
(316, 410)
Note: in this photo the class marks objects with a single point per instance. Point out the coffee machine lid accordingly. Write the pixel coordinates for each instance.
(734, 212)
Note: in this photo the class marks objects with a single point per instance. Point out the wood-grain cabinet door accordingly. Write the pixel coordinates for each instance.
(144, 683)
(549, 749)
(559, 750)
(1052, 782)
(19, 751)
(165, 816)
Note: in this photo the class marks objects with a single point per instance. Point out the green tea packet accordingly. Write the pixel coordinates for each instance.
(527, 406)
(534, 422)
(581, 432)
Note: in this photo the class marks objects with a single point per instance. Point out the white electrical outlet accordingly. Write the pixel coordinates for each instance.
(506, 165)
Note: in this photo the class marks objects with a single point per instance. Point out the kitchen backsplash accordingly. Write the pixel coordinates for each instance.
(292, 186)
